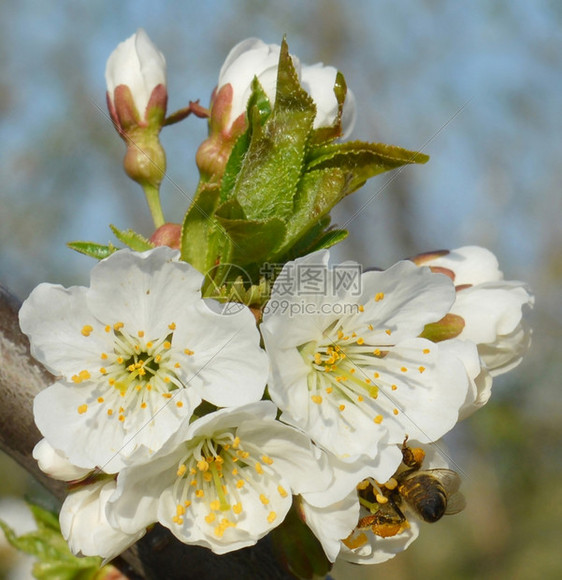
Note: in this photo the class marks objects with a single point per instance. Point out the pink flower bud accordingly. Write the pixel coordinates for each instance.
(167, 235)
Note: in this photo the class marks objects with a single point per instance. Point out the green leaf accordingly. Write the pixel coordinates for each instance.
(203, 239)
(253, 240)
(271, 169)
(130, 238)
(97, 251)
(317, 194)
(328, 239)
(360, 161)
(55, 561)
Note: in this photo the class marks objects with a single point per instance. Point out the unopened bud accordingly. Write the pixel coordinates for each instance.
(167, 235)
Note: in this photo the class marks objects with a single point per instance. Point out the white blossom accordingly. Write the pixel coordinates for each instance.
(228, 481)
(254, 58)
(491, 309)
(351, 380)
(136, 352)
(56, 464)
(136, 63)
(84, 523)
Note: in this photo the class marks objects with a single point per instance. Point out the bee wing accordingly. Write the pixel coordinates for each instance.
(455, 504)
(451, 482)
(448, 478)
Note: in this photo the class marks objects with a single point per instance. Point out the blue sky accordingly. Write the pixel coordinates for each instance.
(478, 87)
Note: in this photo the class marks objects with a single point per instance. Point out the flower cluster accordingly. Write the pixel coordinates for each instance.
(184, 395)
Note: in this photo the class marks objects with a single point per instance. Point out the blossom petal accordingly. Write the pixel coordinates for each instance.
(85, 527)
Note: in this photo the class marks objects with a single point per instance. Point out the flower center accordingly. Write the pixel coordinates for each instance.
(351, 366)
(217, 476)
(134, 370)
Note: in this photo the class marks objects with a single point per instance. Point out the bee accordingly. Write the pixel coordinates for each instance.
(429, 494)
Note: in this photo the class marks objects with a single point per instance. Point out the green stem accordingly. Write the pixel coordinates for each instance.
(152, 194)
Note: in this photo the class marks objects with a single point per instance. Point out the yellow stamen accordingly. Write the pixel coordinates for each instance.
(87, 330)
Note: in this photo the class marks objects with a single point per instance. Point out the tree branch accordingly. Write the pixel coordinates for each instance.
(158, 556)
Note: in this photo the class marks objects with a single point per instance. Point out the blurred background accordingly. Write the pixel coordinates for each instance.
(475, 85)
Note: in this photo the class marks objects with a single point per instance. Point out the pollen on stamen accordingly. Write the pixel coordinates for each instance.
(377, 352)
(177, 365)
(140, 333)
(87, 330)
(271, 517)
(379, 296)
(210, 518)
(426, 351)
(371, 327)
(376, 375)
(182, 469)
(404, 369)
(149, 344)
(167, 395)
(381, 499)
(341, 407)
(103, 370)
(103, 356)
(179, 404)
(267, 460)
(110, 412)
(388, 331)
(421, 369)
(264, 499)
(167, 344)
(188, 352)
(329, 390)
(172, 326)
(240, 483)
(378, 419)
(395, 411)
(143, 405)
(360, 341)
(82, 409)
(121, 418)
(237, 508)
(199, 493)
(282, 491)
(118, 326)
(101, 399)
(107, 328)
(360, 399)
(393, 387)
(202, 465)
(361, 308)
(316, 399)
